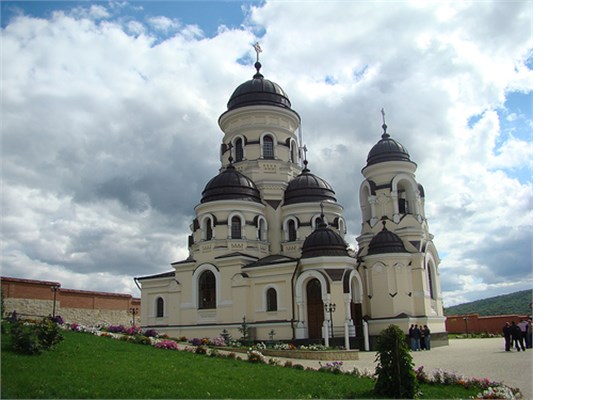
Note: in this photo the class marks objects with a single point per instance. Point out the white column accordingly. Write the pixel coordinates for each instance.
(326, 332)
(346, 335)
(366, 334)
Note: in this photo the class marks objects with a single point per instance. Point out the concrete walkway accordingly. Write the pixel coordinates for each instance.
(472, 358)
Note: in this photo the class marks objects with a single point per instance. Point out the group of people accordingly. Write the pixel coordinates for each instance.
(519, 336)
(420, 337)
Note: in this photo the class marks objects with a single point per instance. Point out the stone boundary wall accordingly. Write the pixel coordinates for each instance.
(35, 299)
(480, 324)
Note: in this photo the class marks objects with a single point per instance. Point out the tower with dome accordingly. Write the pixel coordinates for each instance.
(267, 242)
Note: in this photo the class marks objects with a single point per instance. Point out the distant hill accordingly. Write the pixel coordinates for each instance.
(513, 303)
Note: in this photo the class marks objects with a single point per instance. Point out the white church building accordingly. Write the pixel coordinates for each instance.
(267, 242)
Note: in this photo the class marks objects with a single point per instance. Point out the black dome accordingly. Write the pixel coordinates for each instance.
(230, 185)
(258, 91)
(386, 242)
(307, 188)
(324, 241)
(387, 149)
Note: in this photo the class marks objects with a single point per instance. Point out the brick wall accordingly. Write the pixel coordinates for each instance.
(35, 299)
(478, 324)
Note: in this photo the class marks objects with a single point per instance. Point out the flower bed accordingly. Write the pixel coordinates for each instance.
(323, 355)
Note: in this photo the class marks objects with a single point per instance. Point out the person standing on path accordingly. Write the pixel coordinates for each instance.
(411, 335)
(427, 334)
(516, 336)
(506, 331)
(524, 327)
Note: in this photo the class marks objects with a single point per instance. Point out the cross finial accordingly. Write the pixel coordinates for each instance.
(257, 49)
(304, 150)
(384, 126)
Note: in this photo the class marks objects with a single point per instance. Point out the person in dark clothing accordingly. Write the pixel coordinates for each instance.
(507, 336)
(517, 337)
(411, 335)
(422, 338)
(427, 336)
(416, 337)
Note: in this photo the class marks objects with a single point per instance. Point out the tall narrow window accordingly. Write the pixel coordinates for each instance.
(268, 149)
(430, 281)
(271, 299)
(262, 229)
(207, 290)
(208, 229)
(402, 202)
(239, 150)
(236, 228)
(160, 307)
(291, 230)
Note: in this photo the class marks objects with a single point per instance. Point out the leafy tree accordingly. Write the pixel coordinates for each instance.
(395, 373)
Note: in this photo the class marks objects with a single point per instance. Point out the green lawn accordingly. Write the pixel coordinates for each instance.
(87, 366)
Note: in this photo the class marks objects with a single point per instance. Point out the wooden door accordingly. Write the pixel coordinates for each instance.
(314, 309)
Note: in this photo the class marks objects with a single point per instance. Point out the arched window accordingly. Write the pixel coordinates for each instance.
(268, 148)
(239, 150)
(402, 201)
(236, 228)
(432, 293)
(208, 231)
(271, 299)
(160, 307)
(262, 229)
(207, 290)
(291, 230)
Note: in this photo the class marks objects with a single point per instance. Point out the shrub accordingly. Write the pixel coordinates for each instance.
(133, 330)
(201, 350)
(151, 333)
(28, 338)
(141, 339)
(395, 375)
(196, 342)
(217, 341)
(116, 329)
(182, 339)
(334, 367)
(167, 344)
(255, 356)
(57, 319)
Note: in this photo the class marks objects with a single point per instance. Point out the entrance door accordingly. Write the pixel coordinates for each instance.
(314, 309)
(356, 311)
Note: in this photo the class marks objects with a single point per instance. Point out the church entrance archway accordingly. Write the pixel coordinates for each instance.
(314, 309)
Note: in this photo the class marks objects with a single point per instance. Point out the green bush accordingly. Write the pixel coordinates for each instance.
(34, 338)
(395, 375)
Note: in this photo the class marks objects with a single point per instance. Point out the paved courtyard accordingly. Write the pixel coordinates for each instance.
(473, 358)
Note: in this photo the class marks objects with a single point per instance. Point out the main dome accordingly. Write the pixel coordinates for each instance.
(308, 188)
(258, 91)
(230, 185)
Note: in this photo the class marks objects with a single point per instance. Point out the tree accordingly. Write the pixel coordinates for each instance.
(395, 373)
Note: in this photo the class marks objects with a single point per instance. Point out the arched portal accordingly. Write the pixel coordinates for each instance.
(314, 309)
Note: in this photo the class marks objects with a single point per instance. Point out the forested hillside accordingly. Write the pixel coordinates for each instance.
(513, 303)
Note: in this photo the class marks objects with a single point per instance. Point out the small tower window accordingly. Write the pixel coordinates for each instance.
(268, 148)
(262, 229)
(160, 307)
(208, 231)
(402, 202)
(271, 299)
(236, 228)
(239, 150)
(291, 228)
(207, 293)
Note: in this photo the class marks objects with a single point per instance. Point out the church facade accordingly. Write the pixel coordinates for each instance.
(267, 242)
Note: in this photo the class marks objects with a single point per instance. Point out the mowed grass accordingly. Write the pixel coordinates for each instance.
(87, 366)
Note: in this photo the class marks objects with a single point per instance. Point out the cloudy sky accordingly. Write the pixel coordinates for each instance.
(109, 125)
